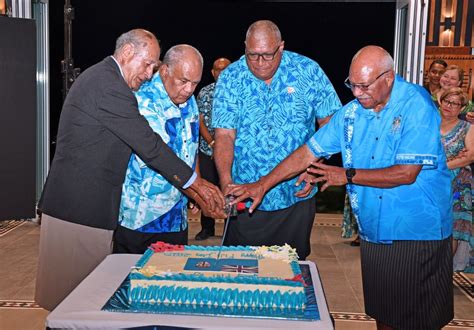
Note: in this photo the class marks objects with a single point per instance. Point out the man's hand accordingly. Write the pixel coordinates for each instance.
(330, 175)
(254, 191)
(207, 195)
(309, 181)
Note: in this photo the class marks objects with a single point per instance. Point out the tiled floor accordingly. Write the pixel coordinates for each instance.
(337, 261)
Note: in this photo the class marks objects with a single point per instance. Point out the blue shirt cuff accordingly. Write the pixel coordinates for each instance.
(190, 181)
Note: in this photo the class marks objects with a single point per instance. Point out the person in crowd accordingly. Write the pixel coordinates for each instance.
(265, 105)
(394, 168)
(349, 223)
(152, 209)
(457, 137)
(99, 127)
(206, 143)
(435, 71)
(453, 77)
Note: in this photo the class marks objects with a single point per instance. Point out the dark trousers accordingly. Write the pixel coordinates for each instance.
(291, 225)
(131, 241)
(208, 172)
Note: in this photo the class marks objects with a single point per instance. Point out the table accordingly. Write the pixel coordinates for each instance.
(82, 307)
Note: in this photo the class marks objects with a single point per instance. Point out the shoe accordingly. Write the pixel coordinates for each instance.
(204, 234)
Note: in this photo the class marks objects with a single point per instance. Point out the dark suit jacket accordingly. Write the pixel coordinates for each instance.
(99, 127)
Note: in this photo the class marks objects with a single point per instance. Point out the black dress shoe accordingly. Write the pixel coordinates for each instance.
(204, 234)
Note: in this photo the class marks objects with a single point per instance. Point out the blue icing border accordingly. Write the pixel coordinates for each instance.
(119, 303)
(211, 296)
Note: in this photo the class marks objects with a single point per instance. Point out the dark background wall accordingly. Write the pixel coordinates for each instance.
(18, 118)
(328, 32)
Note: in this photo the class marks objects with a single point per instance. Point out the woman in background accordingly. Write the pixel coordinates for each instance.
(457, 137)
(453, 77)
(435, 71)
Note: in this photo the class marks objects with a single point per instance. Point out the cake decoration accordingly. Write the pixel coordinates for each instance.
(244, 277)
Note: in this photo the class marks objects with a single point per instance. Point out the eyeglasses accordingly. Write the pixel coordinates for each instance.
(362, 87)
(451, 104)
(266, 56)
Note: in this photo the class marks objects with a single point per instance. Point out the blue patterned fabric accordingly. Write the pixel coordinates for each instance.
(406, 131)
(271, 121)
(204, 102)
(150, 204)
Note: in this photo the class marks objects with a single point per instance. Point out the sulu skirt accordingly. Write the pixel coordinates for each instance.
(408, 284)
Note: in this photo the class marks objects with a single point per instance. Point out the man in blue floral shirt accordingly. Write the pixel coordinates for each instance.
(152, 208)
(206, 142)
(399, 186)
(266, 104)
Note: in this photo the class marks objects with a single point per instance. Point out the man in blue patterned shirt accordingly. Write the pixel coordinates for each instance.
(265, 106)
(206, 142)
(151, 207)
(399, 188)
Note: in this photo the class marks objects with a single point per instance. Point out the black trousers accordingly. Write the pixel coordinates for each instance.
(291, 225)
(131, 241)
(208, 172)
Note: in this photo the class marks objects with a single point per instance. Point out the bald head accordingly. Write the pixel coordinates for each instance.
(181, 72)
(372, 58)
(263, 28)
(183, 55)
(371, 76)
(219, 65)
(263, 49)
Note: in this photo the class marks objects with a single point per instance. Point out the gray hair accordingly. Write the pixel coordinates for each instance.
(264, 25)
(176, 54)
(139, 38)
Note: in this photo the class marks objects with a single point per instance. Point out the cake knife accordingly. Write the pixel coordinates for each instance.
(228, 209)
(231, 210)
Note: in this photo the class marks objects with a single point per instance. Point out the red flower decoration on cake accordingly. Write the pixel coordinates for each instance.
(164, 247)
(297, 278)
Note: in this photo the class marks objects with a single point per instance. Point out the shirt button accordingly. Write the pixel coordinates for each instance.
(372, 157)
(380, 197)
(376, 139)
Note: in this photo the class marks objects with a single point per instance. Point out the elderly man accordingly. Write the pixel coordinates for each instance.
(399, 187)
(152, 209)
(99, 127)
(266, 105)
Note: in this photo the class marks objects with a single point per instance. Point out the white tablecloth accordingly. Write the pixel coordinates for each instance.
(82, 308)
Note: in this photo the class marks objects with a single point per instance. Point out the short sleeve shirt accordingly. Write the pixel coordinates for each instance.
(271, 121)
(405, 132)
(149, 202)
(204, 102)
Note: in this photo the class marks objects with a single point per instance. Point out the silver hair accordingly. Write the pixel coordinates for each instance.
(266, 25)
(138, 37)
(176, 53)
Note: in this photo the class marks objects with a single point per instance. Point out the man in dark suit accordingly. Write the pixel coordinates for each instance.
(99, 127)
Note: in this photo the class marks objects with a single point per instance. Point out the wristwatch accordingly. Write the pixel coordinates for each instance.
(350, 173)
